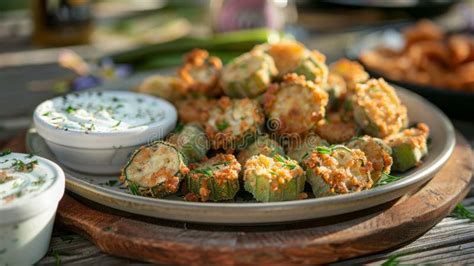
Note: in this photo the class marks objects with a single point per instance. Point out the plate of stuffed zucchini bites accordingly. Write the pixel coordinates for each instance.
(277, 135)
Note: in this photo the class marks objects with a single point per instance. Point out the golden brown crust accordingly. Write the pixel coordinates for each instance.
(336, 130)
(195, 110)
(415, 137)
(381, 107)
(200, 73)
(296, 104)
(351, 71)
(339, 176)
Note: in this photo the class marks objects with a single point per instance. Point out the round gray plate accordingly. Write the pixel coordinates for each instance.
(107, 191)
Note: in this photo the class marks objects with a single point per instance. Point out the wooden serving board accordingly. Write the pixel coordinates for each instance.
(310, 242)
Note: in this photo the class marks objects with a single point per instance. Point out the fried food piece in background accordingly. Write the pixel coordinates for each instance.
(234, 123)
(195, 109)
(295, 105)
(170, 88)
(201, 73)
(378, 110)
(424, 30)
(351, 71)
(335, 129)
(264, 145)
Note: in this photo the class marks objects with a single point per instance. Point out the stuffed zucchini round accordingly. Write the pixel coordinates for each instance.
(337, 170)
(377, 152)
(409, 147)
(273, 178)
(248, 75)
(300, 149)
(295, 105)
(201, 73)
(263, 144)
(335, 129)
(191, 141)
(293, 57)
(216, 179)
(351, 71)
(378, 110)
(154, 170)
(234, 124)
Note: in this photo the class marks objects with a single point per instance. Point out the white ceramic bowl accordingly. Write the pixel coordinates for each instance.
(28, 204)
(106, 149)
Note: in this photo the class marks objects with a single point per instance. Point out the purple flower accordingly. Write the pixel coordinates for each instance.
(85, 82)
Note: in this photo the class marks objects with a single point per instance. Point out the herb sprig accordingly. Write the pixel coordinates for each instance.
(460, 212)
(21, 166)
(387, 179)
(5, 152)
(285, 161)
(133, 188)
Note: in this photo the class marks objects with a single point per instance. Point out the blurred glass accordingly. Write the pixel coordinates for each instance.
(232, 15)
(61, 22)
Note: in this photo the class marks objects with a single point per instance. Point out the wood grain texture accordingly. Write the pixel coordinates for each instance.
(310, 242)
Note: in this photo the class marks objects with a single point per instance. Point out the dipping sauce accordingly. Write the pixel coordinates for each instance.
(101, 111)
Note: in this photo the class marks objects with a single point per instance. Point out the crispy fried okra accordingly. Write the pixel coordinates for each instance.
(377, 152)
(191, 141)
(351, 71)
(273, 178)
(337, 170)
(295, 105)
(336, 89)
(300, 148)
(216, 179)
(154, 170)
(263, 144)
(409, 147)
(195, 109)
(170, 88)
(234, 123)
(248, 75)
(200, 73)
(377, 109)
(293, 57)
(335, 129)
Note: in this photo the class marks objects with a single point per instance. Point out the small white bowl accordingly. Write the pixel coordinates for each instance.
(28, 204)
(105, 148)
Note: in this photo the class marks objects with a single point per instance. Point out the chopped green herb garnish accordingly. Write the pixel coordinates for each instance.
(222, 126)
(30, 155)
(21, 166)
(118, 124)
(285, 162)
(46, 113)
(204, 171)
(70, 109)
(225, 163)
(387, 179)
(392, 260)
(460, 212)
(41, 180)
(56, 256)
(133, 188)
(5, 152)
(323, 150)
(305, 155)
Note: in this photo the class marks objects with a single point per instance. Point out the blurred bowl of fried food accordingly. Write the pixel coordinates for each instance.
(423, 57)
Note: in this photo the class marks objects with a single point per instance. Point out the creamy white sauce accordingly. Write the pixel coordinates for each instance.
(101, 111)
(23, 176)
